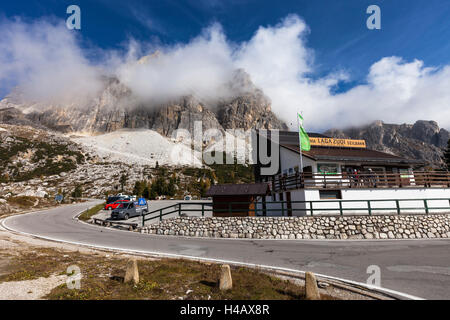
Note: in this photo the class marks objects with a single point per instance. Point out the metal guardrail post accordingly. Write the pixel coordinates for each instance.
(179, 209)
(143, 220)
(311, 207)
(369, 208)
(203, 209)
(397, 203)
(160, 215)
(341, 211)
(425, 202)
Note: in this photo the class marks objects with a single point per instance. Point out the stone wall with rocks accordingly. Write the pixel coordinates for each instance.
(323, 227)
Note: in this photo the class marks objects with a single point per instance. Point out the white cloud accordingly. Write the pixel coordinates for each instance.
(397, 92)
(49, 64)
(201, 67)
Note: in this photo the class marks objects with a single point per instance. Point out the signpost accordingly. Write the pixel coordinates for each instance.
(142, 202)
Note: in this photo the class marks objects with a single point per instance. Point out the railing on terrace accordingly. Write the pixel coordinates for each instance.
(363, 180)
(295, 208)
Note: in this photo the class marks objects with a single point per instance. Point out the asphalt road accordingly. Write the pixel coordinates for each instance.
(416, 267)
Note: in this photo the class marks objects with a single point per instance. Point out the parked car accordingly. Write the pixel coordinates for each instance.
(115, 204)
(128, 210)
(112, 199)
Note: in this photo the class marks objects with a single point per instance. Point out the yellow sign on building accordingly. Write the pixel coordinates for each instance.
(333, 142)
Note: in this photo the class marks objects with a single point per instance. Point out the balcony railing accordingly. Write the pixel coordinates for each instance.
(422, 179)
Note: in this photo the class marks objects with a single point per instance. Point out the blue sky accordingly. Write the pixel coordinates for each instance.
(338, 34)
(337, 37)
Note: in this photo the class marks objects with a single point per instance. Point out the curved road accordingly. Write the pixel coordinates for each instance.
(416, 267)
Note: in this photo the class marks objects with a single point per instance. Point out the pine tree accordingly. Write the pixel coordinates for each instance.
(446, 157)
(78, 192)
(205, 184)
(139, 187)
(151, 189)
(123, 181)
(146, 191)
(171, 189)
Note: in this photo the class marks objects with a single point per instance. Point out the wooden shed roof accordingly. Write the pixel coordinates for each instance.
(255, 189)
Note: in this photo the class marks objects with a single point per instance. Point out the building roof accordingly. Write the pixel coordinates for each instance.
(255, 189)
(350, 154)
(290, 137)
(289, 140)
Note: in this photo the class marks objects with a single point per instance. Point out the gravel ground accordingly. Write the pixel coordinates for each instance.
(29, 289)
(14, 244)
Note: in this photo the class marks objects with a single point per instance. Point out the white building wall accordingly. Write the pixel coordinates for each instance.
(400, 194)
(290, 159)
(385, 199)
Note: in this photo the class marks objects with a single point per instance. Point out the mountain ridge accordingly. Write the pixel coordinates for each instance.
(423, 140)
(115, 107)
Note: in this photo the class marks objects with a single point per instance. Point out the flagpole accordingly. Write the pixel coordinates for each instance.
(300, 143)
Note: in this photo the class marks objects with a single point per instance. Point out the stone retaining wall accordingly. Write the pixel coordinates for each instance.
(323, 227)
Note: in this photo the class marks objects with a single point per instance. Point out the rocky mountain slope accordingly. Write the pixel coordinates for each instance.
(37, 164)
(40, 163)
(115, 107)
(422, 140)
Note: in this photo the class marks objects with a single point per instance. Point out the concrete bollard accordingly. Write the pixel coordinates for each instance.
(225, 282)
(311, 289)
(132, 272)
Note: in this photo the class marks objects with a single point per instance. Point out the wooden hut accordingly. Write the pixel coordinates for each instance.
(236, 200)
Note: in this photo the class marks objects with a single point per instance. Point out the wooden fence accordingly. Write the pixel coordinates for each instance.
(423, 179)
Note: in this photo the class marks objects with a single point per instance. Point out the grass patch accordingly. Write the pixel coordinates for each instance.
(102, 278)
(86, 215)
(21, 204)
(22, 201)
(171, 279)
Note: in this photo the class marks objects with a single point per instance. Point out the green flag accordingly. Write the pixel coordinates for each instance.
(303, 136)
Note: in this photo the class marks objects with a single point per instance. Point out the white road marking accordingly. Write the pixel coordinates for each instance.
(426, 269)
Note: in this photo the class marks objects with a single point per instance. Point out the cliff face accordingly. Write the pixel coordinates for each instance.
(115, 108)
(422, 140)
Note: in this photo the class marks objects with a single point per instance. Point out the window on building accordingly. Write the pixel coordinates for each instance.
(308, 169)
(330, 194)
(327, 168)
